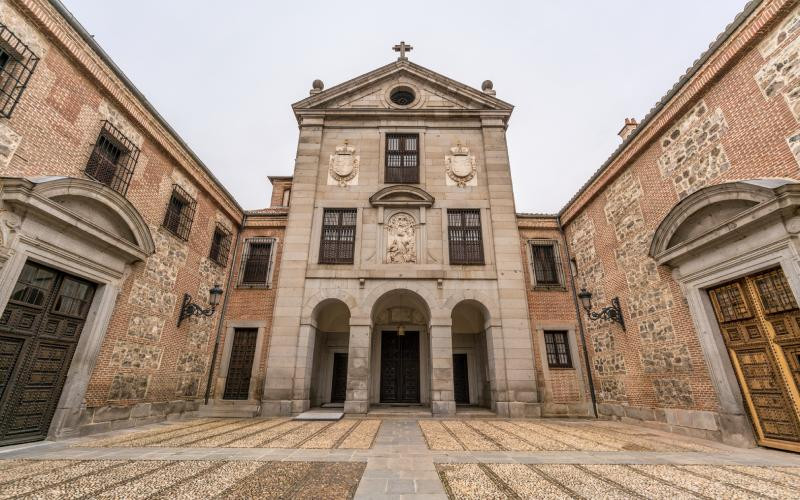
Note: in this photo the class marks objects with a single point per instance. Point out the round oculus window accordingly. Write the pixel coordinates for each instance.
(402, 96)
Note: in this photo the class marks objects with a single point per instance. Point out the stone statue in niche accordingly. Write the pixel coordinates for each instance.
(460, 167)
(402, 244)
(343, 166)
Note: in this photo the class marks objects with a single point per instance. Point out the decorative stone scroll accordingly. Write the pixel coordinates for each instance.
(461, 167)
(343, 166)
(402, 245)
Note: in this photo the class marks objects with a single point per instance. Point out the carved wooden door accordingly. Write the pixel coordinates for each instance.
(399, 367)
(760, 323)
(339, 378)
(39, 331)
(240, 367)
(460, 379)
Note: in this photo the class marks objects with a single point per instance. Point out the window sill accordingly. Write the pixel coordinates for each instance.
(562, 368)
(254, 286)
(549, 288)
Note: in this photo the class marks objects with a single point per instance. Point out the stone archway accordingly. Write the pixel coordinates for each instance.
(329, 350)
(473, 367)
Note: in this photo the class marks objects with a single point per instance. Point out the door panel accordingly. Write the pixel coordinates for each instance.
(240, 366)
(460, 379)
(339, 378)
(399, 367)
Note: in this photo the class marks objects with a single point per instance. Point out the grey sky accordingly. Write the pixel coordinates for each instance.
(225, 73)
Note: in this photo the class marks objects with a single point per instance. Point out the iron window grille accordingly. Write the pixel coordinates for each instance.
(557, 346)
(256, 261)
(338, 238)
(180, 213)
(546, 262)
(113, 159)
(402, 158)
(465, 238)
(220, 245)
(17, 63)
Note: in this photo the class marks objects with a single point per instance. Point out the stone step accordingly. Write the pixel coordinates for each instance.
(229, 410)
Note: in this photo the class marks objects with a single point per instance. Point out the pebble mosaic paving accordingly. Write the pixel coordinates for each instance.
(178, 479)
(248, 433)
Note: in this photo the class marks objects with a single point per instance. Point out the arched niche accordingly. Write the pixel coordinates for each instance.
(331, 341)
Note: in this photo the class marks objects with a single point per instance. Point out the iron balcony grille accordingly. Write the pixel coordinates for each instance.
(338, 236)
(17, 64)
(180, 213)
(402, 158)
(557, 347)
(256, 261)
(220, 245)
(546, 264)
(113, 159)
(465, 236)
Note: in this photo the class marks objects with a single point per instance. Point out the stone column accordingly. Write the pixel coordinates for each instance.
(441, 334)
(357, 399)
(301, 393)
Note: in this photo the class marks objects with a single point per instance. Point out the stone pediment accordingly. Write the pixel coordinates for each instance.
(401, 196)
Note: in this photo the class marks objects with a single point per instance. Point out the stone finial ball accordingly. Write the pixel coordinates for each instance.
(318, 85)
(487, 85)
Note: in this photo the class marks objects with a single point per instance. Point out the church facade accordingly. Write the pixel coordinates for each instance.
(392, 269)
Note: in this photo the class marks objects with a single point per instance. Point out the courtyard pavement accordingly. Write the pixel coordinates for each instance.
(394, 458)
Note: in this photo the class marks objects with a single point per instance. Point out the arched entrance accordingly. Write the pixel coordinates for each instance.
(330, 354)
(471, 375)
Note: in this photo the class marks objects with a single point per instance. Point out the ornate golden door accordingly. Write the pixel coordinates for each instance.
(760, 322)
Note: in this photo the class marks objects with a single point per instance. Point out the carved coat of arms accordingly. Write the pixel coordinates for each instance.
(343, 165)
(460, 165)
(402, 245)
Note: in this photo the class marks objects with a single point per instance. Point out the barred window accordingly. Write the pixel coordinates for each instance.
(220, 245)
(546, 263)
(338, 236)
(17, 63)
(256, 261)
(113, 159)
(465, 237)
(557, 346)
(402, 158)
(180, 213)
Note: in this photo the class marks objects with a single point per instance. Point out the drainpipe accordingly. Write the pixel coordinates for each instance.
(224, 308)
(580, 317)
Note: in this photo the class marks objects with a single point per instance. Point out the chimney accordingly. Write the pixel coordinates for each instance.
(628, 128)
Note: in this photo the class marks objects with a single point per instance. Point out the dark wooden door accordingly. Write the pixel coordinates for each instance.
(339, 379)
(460, 379)
(240, 367)
(399, 367)
(39, 330)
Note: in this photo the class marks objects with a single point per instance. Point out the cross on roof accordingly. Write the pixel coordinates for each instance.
(402, 48)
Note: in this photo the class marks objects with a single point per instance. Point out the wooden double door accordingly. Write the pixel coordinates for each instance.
(39, 331)
(760, 323)
(400, 367)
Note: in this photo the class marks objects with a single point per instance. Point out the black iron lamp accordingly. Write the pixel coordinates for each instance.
(612, 312)
(189, 308)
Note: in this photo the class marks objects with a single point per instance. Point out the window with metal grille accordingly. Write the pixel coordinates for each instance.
(113, 159)
(557, 346)
(465, 237)
(338, 236)
(774, 292)
(402, 158)
(180, 213)
(256, 261)
(546, 263)
(730, 303)
(17, 63)
(220, 245)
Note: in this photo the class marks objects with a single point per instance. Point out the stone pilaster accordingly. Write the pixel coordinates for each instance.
(357, 399)
(441, 335)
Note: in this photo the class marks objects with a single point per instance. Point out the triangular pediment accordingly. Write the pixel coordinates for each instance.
(372, 91)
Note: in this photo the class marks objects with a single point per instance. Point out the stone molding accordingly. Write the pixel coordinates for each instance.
(401, 195)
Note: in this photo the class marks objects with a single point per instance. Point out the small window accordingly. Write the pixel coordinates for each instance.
(220, 245)
(287, 197)
(465, 237)
(17, 63)
(402, 158)
(256, 261)
(546, 264)
(74, 298)
(557, 346)
(180, 213)
(33, 285)
(113, 159)
(338, 238)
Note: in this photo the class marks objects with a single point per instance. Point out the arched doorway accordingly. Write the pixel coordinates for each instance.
(471, 375)
(330, 354)
(400, 351)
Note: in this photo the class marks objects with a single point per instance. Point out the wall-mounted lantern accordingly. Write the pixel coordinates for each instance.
(189, 308)
(612, 312)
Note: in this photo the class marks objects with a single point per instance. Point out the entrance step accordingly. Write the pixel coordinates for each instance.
(474, 412)
(320, 414)
(230, 409)
(395, 411)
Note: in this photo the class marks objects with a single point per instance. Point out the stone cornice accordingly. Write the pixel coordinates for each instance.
(66, 34)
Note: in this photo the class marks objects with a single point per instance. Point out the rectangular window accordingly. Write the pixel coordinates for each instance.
(220, 245)
(180, 213)
(465, 236)
(17, 63)
(546, 264)
(256, 261)
(557, 346)
(338, 236)
(113, 159)
(402, 158)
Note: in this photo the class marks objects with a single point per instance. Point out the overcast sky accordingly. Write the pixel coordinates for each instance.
(224, 74)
